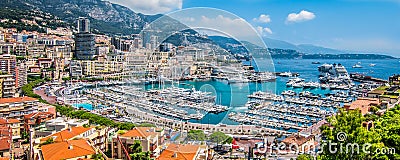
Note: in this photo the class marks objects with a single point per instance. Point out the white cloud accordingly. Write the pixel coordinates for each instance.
(150, 6)
(300, 17)
(263, 19)
(263, 30)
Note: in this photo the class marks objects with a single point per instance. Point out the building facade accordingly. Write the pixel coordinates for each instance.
(7, 86)
(17, 107)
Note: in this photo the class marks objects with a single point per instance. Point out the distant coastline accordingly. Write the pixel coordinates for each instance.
(293, 54)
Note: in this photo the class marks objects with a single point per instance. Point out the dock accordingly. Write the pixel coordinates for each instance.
(364, 78)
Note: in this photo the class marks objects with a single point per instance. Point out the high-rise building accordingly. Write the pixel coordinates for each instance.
(7, 86)
(8, 63)
(83, 25)
(18, 107)
(84, 41)
(22, 75)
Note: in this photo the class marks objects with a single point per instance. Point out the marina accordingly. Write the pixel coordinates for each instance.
(295, 104)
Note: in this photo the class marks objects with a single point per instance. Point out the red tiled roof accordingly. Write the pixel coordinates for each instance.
(363, 104)
(38, 114)
(68, 149)
(4, 143)
(179, 152)
(142, 132)
(4, 121)
(17, 99)
(67, 134)
(297, 139)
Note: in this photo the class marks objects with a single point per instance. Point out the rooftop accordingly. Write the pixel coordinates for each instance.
(39, 114)
(17, 99)
(363, 104)
(142, 132)
(67, 134)
(297, 139)
(4, 143)
(68, 149)
(179, 152)
(4, 121)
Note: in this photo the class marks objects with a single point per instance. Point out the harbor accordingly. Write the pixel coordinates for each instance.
(284, 103)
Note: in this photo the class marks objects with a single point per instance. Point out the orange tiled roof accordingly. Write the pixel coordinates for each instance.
(4, 158)
(67, 134)
(4, 143)
(5, 131)
(4, 121)
(363, 104)
(179, 152)
(38, 114)
(67, 150)
(17, 99)
(142, 132)
(297, 139)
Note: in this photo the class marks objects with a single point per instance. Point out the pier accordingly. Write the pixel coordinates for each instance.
(364, 78)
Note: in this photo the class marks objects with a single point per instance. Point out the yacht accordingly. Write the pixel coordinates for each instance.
(329, 72)
(357, 66)
(298, 85)
(372, 64)
(285, 74)
(293, 81)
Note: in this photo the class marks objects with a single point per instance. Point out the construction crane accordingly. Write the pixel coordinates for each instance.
(123, 147)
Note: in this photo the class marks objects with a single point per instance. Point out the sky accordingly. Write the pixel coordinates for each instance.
(354, 25)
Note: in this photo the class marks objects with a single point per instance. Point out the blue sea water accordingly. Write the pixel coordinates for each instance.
(235, 95)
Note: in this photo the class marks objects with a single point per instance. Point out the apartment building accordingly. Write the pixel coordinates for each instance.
(7, 86)
(17, 107)
(95, 136)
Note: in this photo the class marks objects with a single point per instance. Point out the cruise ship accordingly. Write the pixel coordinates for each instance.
(333, 73)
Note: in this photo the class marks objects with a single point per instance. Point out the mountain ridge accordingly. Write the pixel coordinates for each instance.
(106, 17)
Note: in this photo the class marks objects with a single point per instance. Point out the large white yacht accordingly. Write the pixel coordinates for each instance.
(329, 72)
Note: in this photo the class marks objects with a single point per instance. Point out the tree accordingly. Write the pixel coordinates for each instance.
(196, 135)
(388, 127)
(137, 152)
(25, 137)
(219, 137)
(346, 128)
(97, 157)
(304, 157)
(48, 141)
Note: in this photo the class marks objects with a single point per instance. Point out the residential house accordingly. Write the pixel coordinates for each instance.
(180, 152)
(14, 125)
(362, 104)
(5, 139)
(67, 150)
(150, 138)
(304, 143)
(34, 119)
(17, 107)
(96, 136)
